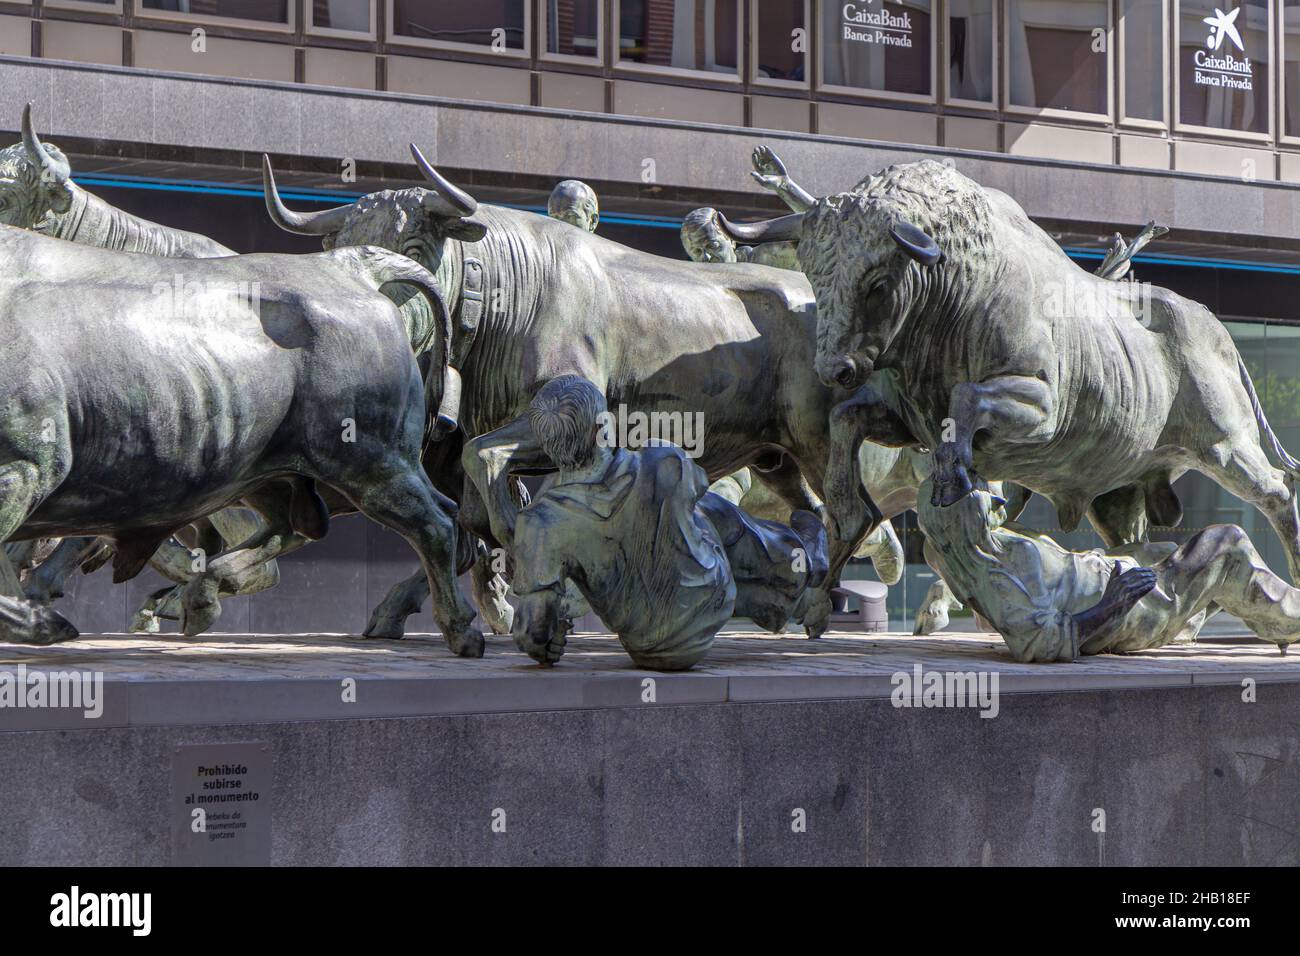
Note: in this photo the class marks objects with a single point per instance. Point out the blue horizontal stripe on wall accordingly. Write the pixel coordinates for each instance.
(653, 222)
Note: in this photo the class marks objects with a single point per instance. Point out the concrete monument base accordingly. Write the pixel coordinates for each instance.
(772, 751)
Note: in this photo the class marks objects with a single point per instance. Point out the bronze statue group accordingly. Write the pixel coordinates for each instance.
(441, 348)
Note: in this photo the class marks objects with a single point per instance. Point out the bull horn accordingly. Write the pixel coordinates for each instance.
(444, 199)
(916, 243)
(781, 229)
(303, 223)
(56, 169)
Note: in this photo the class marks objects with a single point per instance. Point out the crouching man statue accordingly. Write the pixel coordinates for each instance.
(663, 568)
(1050, 604)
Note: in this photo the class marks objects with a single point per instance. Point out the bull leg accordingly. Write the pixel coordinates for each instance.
(1120, 516)
(828, 458)
(406, 501)
(1015, 407)
(1243, 470)
(21, 490)
(46, 581)
(938, 601)
(225, 574)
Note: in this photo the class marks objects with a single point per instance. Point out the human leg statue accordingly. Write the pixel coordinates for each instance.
(1217, 566)
(774, 565)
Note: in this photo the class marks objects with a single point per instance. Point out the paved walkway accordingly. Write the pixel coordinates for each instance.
(249, 678)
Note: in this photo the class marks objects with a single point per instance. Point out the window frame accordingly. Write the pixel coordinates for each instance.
(204, 19)
(653, 69)
(545, 56)
(525, 53)
(767, 81)
(1273, 74)
(858, 92)
(311, 29)
(991, 105)
(112, 8)
(1051, 112)
(1292, 139)
(1140, 122)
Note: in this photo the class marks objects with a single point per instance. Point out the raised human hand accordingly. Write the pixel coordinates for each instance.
(769, 171)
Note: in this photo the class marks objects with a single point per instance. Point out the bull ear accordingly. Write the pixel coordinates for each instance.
(916, 243)
(466, 230)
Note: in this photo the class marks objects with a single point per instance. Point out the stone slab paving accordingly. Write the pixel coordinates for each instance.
(242, 678)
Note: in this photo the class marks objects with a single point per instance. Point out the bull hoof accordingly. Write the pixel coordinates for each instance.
(930, 620)
(24, 623)
(200, 606)
(145, 622)
(818, 615)
(468, 644)
(385, 626)
(499, 615)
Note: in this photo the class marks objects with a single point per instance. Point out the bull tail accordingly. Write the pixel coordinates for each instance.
(1289, 464)
(433, 345)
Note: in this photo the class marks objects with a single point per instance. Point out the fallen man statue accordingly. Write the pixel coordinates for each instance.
(662, 561)
(1050, 604)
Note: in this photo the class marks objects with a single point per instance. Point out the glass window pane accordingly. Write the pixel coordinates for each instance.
(267, 11)
(471, 23)
(573, 27)
(685, 34)
(776, 56)
(1291, 66)
(1056, 54)
(970, 50)
(1223, 64)
(342, 14)
(883, 47)
(1144, 59)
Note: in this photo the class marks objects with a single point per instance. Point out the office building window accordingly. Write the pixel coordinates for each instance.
(486, 24)
(1142, 35)
(781, 41)
(1291, 67)
(572, 28)
(970, 50)
(350, 16)
(879, 47)
(681, 34)
(1058, 55)
(262, 11)
(1223, 64)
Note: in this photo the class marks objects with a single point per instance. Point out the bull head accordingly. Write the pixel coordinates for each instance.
(865, 289)
(35, 179)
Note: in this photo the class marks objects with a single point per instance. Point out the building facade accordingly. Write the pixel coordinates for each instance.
(1097, 115)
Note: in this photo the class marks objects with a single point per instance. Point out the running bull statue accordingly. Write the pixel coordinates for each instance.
(990, 346)
(37, 193)
(129, 416)
(731, 346)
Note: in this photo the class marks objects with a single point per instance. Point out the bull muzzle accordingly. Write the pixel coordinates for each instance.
(843, 371)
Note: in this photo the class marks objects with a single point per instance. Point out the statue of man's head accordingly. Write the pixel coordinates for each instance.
(704, 239)
(574, 202)
(566, 416)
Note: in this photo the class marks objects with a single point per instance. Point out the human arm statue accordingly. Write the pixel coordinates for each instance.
(1123, 590)
(770, 173)
(1120, 255)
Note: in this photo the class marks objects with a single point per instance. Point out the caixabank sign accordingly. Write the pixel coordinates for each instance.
(1223, 61)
